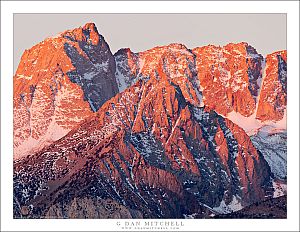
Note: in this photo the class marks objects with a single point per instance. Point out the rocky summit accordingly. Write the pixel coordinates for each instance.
(58, 84)
(163, 133)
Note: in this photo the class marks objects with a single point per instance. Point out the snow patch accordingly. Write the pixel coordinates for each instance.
(89, 76)
(141, 63)
(19, 76)
(53, 133)
(92, 105)
(121, 81)
(190, 216)
(272, 143)
(260, 83)
(103, 66)
(253, 55)
(280, 189)
(251, 125)
(234, 205)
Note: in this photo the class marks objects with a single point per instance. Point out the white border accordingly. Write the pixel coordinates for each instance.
(7, 10)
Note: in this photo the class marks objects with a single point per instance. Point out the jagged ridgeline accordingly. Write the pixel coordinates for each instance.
(154, 134)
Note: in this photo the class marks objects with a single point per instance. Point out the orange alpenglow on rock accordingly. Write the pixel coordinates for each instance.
(229, 79)
(273, 96)
(153, 134)
(150, 138)
(64, 79)
(59, 83)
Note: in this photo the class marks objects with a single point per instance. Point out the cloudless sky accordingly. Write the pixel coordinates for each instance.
(265, 32)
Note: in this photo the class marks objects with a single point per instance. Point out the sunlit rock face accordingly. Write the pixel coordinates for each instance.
(273, 96)
(162, 133)
(230, 77)
(59, 83)
(151, 150)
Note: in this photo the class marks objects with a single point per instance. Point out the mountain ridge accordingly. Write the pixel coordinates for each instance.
(137, 158)
(72, 72)
(144, 133)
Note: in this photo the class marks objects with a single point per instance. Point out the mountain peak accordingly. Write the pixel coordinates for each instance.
(177, 46)
(281, 53)
(87, 33)
(136, 133)
(90, 26)
(123, 51)
(71, 72)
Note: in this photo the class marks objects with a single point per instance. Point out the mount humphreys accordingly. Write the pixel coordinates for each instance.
(170, 132)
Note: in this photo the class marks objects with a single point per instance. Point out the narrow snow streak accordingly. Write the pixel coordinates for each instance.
(173, 129)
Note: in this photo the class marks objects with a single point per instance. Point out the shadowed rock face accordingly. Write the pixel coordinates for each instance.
(64, 79)
(273, 146)
(274, 208)
(95, 68)
(234, 78)
(158, 149)
(91, 208)
(59, 83)
(152, 153)
(225, 78)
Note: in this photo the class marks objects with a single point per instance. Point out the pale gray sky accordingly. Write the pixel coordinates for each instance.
(265, 32)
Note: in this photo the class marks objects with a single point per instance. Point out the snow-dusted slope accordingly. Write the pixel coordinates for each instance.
(162, 147)
(229, 79)
(59, 83)
(272, 143)
(151, 150)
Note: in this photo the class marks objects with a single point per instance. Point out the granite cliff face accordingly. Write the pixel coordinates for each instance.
(172, 143)
(230, 77)
(174, 62)
(273, 96)
(148, 149)
(59, 83)
(234, 80)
